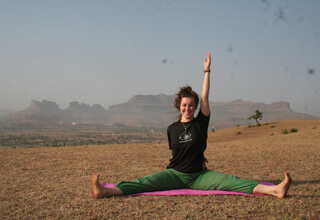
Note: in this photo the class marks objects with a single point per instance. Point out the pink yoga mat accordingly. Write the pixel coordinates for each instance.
(177, 192)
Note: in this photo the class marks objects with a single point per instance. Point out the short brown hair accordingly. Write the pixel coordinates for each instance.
(185, 92)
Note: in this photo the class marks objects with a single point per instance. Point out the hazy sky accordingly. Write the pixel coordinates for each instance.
(107, 51)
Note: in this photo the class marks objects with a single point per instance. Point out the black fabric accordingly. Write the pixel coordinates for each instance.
(188, 145)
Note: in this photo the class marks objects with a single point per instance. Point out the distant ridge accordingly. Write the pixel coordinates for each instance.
(144, 110)
(47, 114)
(231, 114)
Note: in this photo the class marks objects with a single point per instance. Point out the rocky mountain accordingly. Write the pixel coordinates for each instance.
(46, 114)
(39, 114)
(158, 110)
(231, 114)
(82, 113)
(144, 110)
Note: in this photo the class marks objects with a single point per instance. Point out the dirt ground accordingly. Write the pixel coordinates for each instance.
(54, 182)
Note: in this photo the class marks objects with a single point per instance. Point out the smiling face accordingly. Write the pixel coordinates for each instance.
(187, 108)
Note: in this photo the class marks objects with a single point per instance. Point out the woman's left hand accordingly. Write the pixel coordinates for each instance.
(207, 62)
(204, 166)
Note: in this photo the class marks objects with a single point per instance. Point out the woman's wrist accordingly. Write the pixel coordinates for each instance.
(207, 70)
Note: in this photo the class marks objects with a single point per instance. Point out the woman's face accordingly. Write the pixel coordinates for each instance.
(187, 108)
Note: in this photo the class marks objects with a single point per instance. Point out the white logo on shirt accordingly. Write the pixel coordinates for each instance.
(185, 137)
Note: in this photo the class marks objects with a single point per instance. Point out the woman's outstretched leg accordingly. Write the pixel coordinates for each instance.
(99, 191)
(279, 190)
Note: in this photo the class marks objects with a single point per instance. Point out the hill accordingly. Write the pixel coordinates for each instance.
(270, 130)
(47, 114)
(143, 110)
(234, 113)
(159, 110)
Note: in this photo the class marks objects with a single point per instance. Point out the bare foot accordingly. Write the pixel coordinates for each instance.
(98, 190)
(282, 188)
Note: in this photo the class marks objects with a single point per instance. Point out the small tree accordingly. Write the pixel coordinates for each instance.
(256, 116)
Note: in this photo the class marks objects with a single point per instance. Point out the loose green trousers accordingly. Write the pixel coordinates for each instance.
(171, 179)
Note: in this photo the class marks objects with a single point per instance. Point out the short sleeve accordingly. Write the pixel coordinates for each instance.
(204, 120)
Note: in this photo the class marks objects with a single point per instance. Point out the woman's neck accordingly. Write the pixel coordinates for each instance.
(185, 120)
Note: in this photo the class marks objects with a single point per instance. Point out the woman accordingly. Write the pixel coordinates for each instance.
(188, 140)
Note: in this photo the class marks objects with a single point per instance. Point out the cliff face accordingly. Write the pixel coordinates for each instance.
(47, 113)
(152, 110)
(231, 114)
(148, 110)
(279, 106)
(45, 106)
(159, 110)
(83, 113)
(38, 115)
(151, 100)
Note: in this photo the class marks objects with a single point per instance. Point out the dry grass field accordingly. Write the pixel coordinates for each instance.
(54, 183)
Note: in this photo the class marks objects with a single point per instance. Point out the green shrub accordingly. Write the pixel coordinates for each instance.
(293, 130)
(239, 132)
(285, 131)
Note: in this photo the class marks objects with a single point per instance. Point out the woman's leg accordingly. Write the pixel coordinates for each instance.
(213, 180)
(99, 191)
(163, 180)
(279, 190)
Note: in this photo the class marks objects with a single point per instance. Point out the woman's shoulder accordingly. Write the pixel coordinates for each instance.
(174, 124)
(202, 116)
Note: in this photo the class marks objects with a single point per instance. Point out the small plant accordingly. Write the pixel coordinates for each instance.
(314, 127)
(238, 125)
(249, 126)
(239, 132)
(272, 134)
(285, 131)
(293, 130)
(272, 126)
(257, 116)
(212, 129)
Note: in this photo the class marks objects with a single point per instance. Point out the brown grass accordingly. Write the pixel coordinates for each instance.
(54, 183)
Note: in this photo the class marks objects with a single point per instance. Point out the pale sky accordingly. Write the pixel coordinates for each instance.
(107, 51)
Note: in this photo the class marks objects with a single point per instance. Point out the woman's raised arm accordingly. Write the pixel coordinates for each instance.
(204, 103)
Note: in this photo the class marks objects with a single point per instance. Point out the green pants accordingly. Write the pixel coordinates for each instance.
(172, 179)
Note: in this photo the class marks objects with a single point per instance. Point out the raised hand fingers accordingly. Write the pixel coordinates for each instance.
(207, 61)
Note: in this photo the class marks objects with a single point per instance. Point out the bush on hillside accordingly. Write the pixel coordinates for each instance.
(293, 130)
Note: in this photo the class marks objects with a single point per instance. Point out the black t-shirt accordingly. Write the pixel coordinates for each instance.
(188, 142)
